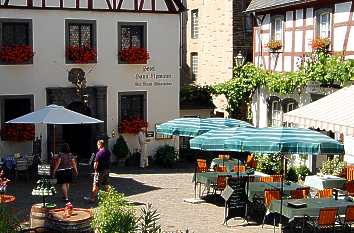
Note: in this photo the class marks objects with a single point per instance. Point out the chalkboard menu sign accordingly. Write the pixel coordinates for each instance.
(236, 204)
(44, 170)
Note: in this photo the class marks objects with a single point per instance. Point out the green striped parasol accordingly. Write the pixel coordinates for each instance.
(214, 140)
(193, 126)
(283, 140)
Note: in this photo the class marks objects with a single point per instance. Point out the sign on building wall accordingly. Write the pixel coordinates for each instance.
(150, 77)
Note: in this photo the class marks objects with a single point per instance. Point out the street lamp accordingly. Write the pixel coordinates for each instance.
(239, 59)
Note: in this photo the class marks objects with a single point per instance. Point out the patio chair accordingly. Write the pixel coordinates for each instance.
(325, 221)
(21, 168)
(269, 196)
(265, 179)
(298, 194)
(325, 193)
(349, 187)
(306, 191)
(350, 173)
(202, 165)
(251, 162)
(220, 184)
(240, 169)
(276, 178)
(221, 168)
(348, 219)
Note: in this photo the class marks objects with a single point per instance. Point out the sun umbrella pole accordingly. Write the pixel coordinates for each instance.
(281, 191)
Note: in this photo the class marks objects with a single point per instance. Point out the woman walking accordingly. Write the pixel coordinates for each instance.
(64, 168)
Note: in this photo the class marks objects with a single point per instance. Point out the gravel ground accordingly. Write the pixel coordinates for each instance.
(165, 189)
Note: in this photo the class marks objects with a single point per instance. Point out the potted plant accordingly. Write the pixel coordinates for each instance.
(16, 54)
(120, 148)
(134, 55)
(321, 44)
(81, 54)
(132, 125)
(274, 45)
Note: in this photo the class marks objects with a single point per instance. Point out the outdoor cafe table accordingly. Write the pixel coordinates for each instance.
(209, 178)
(326, 181)
(257, 188)
(228, 163)
(313, 206)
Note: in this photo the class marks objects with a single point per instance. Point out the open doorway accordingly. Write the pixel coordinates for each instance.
(79, 137)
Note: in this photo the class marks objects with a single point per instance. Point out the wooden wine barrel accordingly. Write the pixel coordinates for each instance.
(79, 221)
(39, 216)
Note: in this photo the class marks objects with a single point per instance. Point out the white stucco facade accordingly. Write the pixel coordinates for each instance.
(49, 68)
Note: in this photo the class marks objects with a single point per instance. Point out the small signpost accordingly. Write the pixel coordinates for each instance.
(43, 186)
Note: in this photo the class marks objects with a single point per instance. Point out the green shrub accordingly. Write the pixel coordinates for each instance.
(303, 171)
(292, 175)
(120, 148)
(166, 156)
(8, 221)
(268, 163)
(113, 214)
(148, 221)
(333, 167)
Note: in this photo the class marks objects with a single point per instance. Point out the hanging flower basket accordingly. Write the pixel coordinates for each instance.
(17, 132)
(132, 125)
(81, 54)
(16, 54)
(321, 44)
(274, 45)
(134, 55)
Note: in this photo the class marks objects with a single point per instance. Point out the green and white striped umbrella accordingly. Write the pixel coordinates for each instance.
(214, 140)
(193, 126)
(284, 140)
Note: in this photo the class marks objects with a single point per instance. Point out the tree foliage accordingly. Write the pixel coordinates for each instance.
(320, 67)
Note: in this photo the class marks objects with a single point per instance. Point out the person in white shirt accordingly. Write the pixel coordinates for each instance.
(142, 148)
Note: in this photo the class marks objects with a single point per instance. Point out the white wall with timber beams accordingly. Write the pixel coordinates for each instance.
(50, 70)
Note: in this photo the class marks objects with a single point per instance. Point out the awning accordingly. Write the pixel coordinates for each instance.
(334, 112)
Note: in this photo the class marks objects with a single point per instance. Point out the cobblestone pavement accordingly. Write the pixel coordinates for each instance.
(165, 189)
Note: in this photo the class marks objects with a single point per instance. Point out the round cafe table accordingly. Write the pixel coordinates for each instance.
(79, 221)
(7, 199)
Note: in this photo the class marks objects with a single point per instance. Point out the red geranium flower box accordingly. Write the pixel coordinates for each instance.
(17, 132)
(132, 125)
(16, 54)
(134, 55)
(81, 54)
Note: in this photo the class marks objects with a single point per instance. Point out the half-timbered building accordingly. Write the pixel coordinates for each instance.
(110, 59)
(296, 24)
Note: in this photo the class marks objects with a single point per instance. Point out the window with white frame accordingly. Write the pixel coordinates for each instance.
(323, 23)
(277, 28)
(194, 24)
(276, 113)
(194, 65)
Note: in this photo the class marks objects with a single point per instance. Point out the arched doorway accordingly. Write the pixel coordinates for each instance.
(79, 137)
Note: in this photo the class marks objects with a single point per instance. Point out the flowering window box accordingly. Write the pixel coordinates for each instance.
(16, 54)
(274, 45)
(132, 125)
(17, 132)
(134, 55)
(321, 44)
(81, 54)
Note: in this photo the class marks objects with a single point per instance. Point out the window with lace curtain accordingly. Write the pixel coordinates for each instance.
(131, 35)
(80, 34)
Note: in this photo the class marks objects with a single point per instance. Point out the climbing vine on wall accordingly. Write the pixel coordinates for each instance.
(326, 69)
